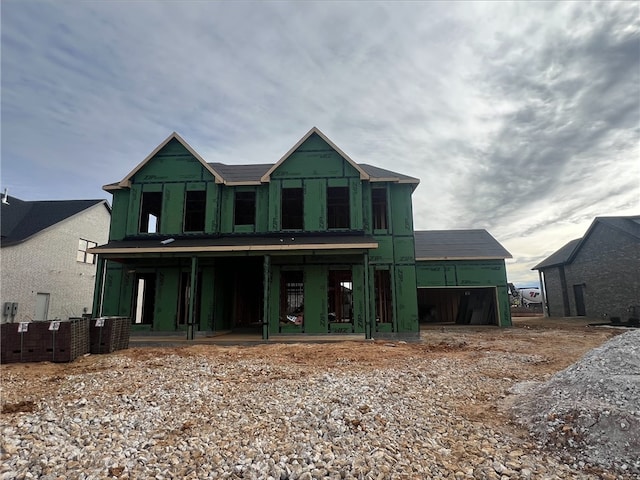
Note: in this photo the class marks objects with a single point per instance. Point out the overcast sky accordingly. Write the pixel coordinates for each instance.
(520, 118)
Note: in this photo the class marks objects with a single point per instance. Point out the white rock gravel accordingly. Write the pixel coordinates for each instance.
(591, 410)
(202, 416)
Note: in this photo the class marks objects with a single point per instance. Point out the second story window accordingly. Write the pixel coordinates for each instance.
(379, 206)
(84, 256)
(150, 212)
(194, 211)
(245, 208)
(338, 214)
(292, 209)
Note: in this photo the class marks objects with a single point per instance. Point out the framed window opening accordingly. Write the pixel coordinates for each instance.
(292, 209)
(150, 212)
(380, 208)
(292, 298)
(84, 256)
(384, 301)
(194, 210)
(244, 208)
(340, 296)
(338, 212)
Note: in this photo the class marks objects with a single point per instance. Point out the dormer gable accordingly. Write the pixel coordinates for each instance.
(318, 156)
(172, 143)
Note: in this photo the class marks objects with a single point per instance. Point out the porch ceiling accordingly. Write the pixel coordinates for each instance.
(265, 244)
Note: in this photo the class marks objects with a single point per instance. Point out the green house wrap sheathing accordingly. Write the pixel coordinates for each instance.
(230, 276)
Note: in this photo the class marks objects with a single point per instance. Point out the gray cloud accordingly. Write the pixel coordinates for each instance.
(521, 118)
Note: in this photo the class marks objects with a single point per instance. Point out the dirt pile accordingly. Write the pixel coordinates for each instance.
(590, 410)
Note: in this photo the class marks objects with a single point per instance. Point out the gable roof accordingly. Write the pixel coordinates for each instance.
(126, 181)
(565, 255)
(258, 173)
(22, 220)
(267, 176)
(475, 244)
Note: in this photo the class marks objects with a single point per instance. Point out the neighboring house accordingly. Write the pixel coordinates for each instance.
(46, 271)
(314, 243)
(596, 275)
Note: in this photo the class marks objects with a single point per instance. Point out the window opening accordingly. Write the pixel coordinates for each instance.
(292, 209)
(150, 212)
(194, 211)
(379, 204)
(384, 312)
(82, 255)
(292, 298)
(245, 208)
(338, 214)
(340, 296)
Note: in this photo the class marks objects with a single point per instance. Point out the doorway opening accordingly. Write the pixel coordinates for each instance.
(144, 298)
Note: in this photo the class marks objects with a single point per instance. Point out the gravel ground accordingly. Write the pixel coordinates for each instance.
(353, 410)
(592, 408)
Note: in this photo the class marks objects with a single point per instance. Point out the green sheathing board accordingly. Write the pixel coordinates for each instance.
(262, 209)
(469, 273)
(314, 159)
(226, 210)
(315, 299)
(314, 166)
(119, 214)
(207, 299)
(316, 276)
(358, 298)
(395, 253)
(401, 209)
(172, 208)
(315, 200)
(166, 306)
(211, 217)
(172, 171)
(112, 286)
(406, 302)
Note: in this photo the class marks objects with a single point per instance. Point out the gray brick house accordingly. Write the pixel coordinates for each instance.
(596, 275)
(46, 271)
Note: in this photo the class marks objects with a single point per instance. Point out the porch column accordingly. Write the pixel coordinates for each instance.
(265, 301)
(368, 326)
(96, 309)
(192, 298)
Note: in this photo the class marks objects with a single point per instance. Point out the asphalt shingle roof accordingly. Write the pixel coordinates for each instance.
(560, 256)
(457, 244)
(254, 172)
(21, 219)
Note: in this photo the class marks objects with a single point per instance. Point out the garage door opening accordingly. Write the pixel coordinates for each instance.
(463, 306)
